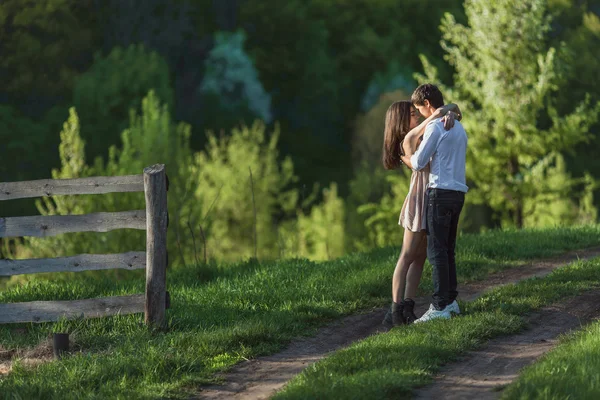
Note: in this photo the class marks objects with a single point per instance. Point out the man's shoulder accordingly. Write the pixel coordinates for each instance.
(459, 126)
(434, 125)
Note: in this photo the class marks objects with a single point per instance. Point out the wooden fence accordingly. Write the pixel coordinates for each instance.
(154, 219)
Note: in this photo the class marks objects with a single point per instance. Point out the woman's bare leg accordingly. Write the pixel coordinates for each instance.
(415, 270)
(411, 244)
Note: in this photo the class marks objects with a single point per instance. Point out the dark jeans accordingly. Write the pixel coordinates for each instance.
(443, 210)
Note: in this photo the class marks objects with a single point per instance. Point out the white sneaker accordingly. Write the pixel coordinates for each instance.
(453, 307)
(432, 313)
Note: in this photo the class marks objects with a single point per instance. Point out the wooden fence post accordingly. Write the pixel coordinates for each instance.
(155, 188)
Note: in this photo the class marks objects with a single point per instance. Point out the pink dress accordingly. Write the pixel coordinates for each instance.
(412, 216)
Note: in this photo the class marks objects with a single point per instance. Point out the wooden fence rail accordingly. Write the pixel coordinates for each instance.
(153, 219)
(52, 225)
(53, 187)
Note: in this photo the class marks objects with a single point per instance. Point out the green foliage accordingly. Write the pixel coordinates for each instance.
(579, 27)
(231, 90)
(394, 78)
(318, 84)
(24, 145)
(72, 157)
(368, 186)
(381, 230)
(114, 85)
(24, 152)
(301, 77)
(304, 80)
(506, 80)
(43, 44)
(212, 200)
(226, 197)
(164, 26)
(321, 234)
(150, 139)
(383, 33)
(552, 203)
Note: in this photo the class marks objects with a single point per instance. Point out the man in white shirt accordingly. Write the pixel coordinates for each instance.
(446, 151)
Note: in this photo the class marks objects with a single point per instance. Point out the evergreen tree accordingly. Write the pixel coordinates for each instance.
(231, 90)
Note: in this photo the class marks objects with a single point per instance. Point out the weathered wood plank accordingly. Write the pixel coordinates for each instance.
(48, 311)
(52, 187)
(51, 225)
(81, 262)
(155, 187)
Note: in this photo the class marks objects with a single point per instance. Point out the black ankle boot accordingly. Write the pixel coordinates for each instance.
(408, 311)
(398, 313)
(394, 316)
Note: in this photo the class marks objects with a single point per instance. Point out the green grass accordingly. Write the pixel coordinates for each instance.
(391, 365)
(221, 316)
(570, 371)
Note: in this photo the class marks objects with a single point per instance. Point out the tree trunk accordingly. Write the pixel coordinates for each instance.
(519, 214)
(518, 201)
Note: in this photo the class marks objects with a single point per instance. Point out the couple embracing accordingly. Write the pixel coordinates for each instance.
(435, 149)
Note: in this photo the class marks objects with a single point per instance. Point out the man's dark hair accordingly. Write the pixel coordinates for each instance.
(429, 92)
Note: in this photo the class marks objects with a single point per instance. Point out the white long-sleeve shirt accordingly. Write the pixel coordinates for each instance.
(447, 151)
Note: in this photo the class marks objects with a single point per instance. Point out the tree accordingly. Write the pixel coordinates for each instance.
(115, 84)
(231, 90)
(240, 176)
(73, 165)
(151, 138)
(160, 25)
(383, 32)
(303, 80)
(44, 45)
(506, 81)
(321, 234)
(378, 216)
(577, 23)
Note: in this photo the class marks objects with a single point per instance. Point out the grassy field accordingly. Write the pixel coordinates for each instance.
(221, 316)
(391, 365)
(568, 372)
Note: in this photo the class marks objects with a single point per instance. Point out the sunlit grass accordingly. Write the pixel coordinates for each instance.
(220, 316)
(568, 372)
(392, 364)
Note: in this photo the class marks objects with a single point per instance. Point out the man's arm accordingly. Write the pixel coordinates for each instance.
(420, 158)
(449, 111)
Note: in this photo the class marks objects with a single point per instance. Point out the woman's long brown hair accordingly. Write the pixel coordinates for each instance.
(397, 125)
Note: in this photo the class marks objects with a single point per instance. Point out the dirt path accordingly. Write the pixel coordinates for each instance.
(262, 377)
(37, 355)
(483, 373)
